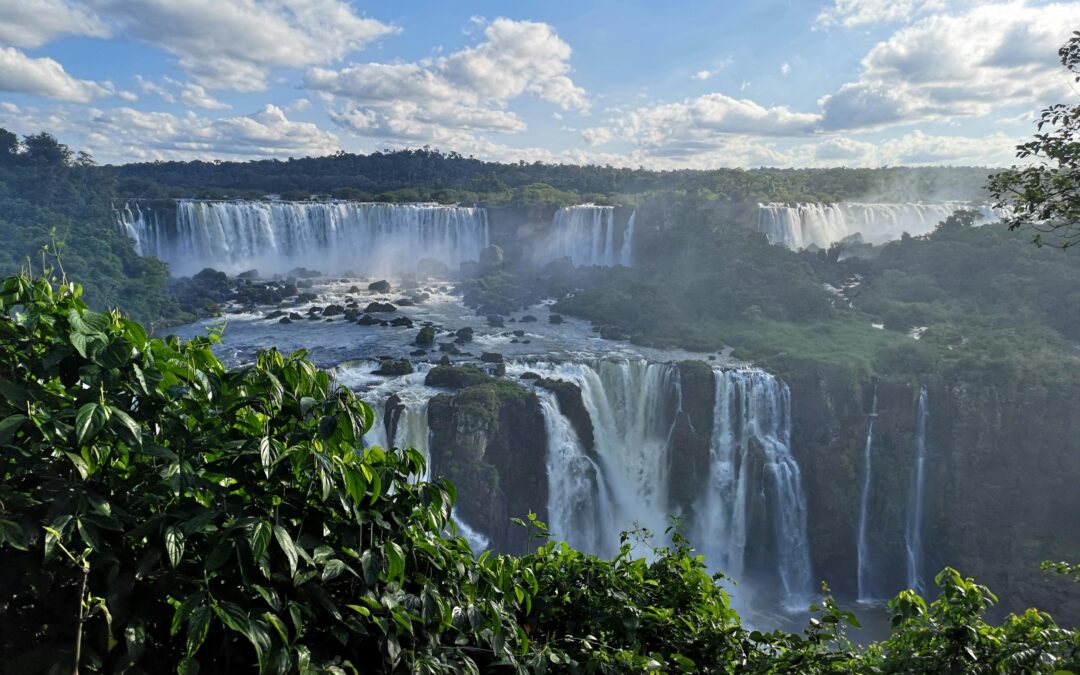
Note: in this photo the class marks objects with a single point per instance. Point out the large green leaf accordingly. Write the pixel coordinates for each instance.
(285, 542)
(88, 422)
(174, 545)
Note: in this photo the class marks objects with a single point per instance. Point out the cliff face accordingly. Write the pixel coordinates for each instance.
(489, 440)
(1002, 479)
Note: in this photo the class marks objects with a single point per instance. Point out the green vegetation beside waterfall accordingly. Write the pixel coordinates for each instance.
(160, 513)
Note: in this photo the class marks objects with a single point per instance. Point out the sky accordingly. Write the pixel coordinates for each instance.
(662, 85)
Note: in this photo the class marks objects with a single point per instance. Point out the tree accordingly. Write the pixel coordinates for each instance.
(44, 149)
(1044, 196)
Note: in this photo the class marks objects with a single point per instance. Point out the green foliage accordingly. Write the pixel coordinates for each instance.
(1044, 195)
(160, 513)
(47, 201)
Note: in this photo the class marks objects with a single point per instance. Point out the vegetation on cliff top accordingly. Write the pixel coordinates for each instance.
(159, 512)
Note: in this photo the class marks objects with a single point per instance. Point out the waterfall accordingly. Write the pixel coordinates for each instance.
(141, 226)
(801, 225)
(913, 531)
(586, 235)
(579, 503)
(274, 237)
(755, 485)
(626, 256)
(865, 569)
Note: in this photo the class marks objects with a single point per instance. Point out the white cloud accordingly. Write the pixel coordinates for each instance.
(785, 69)
(32, 23)
(187, 93)
(702, 75)
(850, 13)
(124, 134)
(45, 77)
(701, 124)
(233, 44)
(451, 97)
(298, 105)
(968, 64)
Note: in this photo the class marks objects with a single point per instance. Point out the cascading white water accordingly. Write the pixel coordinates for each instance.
(586, 234)
(274, 237)
(630, 406)
(913, 531)
(865, 571)
(800, 225)
(141, 226)
(751, 461)
(579, 503)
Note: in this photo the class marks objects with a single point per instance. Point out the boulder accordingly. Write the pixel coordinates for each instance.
(381, 286)
(368, 320)
(491, 257)
(495, 321)
(555, 319)
(455, 377)
(284, 319)
(250, 274)
(464, 335)
(404, 302)
(304, 273)
(304, 298)
(379, 307)
(449, 348)
(492, 357)
(426, 336)
(333, 310)
(402, 322)
(530, 375)
(392, 367)
(528, 318)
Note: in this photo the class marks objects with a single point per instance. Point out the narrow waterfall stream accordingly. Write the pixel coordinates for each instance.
(913, 533)
(865, 574)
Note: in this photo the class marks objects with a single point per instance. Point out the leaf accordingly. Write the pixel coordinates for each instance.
(9, 426)
(174, 545)
(333, 569)
(197, 627)
(266, 454)
(328, 426)
(88, 421)
(233, 616)
(260, 538)
(395, 561)
(287, 546)
(127, 427)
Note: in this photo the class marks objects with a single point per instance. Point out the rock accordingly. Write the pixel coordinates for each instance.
(495, 321)
(305, 298)
(464, 335)
(530, 375)
(491, 257)
(250, 274)
(555, 319)
(352, 314)
(492, 357)
(368, 320)
(420, 298)
(449, 348)
(612, 333)
(379, 307)
(519, 333)
(353, 289)
(489, 440)
(511, 320)
(404, 302)
(572, 404)
(391, 367)
(303, 273)
(426, 336)
(274, 314)
(498, 370)
(528, 318)
(284, 319)
(402, 322)
(418, 352)
(381, 286)
(688, 461)
(444, 361)
(432, 267)
(333, 310)
(305, 283)
(296, 316)
(455, 377)
(392, 415)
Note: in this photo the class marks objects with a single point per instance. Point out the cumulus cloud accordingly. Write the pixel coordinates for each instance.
(125, 134)
(233, 44)
(187, 93)
(945, 66)
(22, 74)
(701, 124)
(702, 75)
(32, 23)
(851, 13)
(453, 96)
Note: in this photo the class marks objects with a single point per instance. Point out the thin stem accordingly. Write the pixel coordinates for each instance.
(82, 616)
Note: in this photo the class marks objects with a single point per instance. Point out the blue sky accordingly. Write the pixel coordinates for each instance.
(661, 85)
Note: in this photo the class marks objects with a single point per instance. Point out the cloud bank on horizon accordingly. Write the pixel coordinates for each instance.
(769, 83)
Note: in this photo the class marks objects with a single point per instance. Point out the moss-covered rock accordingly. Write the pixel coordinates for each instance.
(489, 440)
(426, 337)
(455, 377)
(393, 367)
